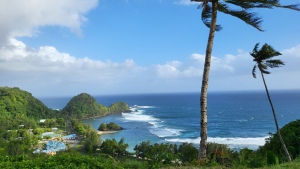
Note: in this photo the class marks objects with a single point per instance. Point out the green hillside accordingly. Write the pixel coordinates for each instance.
(84, 106)
(18, 107)
(16, 102)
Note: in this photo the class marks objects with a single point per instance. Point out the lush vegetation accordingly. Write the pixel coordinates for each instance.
(291, 136)
(109, 127)
(69, 159)
(20, 110)
(15, 102)
(114, 154)
(115, 148)
(85, 106)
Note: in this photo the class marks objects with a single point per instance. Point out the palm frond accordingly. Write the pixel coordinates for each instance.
(267, 52)
(253, 71)
(255, 51)
(252, 4)
(249, 18)
(295, 7)
(206, 16)
(274, 63)
(263, 68)
(246, 4)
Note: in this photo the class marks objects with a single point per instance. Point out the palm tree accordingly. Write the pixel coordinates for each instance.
(262, 59)
(209, 18)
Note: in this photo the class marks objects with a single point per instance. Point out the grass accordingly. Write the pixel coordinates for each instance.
(295, 164)
(81, 143)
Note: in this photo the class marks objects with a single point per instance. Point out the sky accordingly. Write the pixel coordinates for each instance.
(102, 47)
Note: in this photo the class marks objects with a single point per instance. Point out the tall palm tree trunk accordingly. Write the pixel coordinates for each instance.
(278, 130)
(203, 97)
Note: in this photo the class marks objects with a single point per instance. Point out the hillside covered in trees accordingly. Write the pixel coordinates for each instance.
(85, 106)
(16, 102)
(20, 106)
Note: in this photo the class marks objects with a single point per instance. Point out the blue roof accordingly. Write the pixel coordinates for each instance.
(68, 136)
(51, 146)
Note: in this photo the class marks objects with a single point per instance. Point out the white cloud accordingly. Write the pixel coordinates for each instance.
(293, 52)
(46, 71)
(23, 18)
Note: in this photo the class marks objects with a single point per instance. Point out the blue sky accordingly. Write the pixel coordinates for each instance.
(62, 48)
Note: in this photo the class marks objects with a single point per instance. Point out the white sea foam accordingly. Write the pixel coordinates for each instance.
(146, 107)
(157, 127)
(258, 141)
(142, 107)
(138, 116)
(165, 132)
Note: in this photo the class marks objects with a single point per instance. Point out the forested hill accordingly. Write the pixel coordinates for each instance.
(15, 102)
(85, 106)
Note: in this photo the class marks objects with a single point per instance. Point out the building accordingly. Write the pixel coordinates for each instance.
(42, 120)
(54, 129)
(51, 148)
(69, 137)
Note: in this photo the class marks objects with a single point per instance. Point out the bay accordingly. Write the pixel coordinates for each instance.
(239, 119)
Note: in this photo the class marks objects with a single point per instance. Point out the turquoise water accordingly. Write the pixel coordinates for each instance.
(240, 119)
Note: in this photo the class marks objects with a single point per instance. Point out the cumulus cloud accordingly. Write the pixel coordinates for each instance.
(23, 18)
(46, 70)
(24, 66)
(18, 57)
(194, 66)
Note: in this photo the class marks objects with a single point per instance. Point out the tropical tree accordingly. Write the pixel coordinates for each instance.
(263, 60)
(209, 18)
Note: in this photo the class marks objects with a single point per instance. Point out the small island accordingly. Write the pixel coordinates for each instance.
(109, 127)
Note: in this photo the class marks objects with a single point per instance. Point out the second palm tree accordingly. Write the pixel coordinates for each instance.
(263, 60)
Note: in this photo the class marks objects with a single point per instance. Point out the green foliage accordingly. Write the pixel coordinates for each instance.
(263, 59)
(84, 106)
(112, 147)
(110, 126)
(91, 142)
(79, 127)
(291, 136)
(271, 158)
(166, 154)
(15, 102)
(188, 152)
(109, 146)
(102, 127)
(69, 160)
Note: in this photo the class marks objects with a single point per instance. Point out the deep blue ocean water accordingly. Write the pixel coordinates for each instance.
(239, 119)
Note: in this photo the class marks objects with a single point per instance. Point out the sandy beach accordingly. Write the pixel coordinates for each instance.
(106, 132)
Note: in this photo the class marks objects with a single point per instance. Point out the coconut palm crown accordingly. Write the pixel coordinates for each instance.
(246, 5)
(263, 60)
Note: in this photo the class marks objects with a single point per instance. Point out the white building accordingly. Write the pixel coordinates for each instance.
(42, 120)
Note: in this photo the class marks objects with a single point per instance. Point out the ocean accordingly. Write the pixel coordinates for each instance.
(239, 119)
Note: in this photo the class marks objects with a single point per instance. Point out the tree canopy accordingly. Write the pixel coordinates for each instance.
(84, 106)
